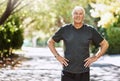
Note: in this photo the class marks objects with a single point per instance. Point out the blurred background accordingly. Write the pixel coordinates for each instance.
(26, 25)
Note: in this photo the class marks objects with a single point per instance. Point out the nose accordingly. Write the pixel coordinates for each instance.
(78, 15)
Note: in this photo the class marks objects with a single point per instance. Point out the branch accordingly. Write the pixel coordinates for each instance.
(20, 8)
(16, 3)
(9, 9)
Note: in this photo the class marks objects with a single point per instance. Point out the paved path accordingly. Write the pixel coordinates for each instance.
(42, 66)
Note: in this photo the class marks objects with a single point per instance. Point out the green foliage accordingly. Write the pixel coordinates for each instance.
(48, 15)
(108, 14)
(63, 9)
(114, 40)
(11, 35)
(15, 33)
(17, 40)
(107, 10)
(117, 23)
(42, 42)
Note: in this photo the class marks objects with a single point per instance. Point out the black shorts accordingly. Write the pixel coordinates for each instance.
(66, 76)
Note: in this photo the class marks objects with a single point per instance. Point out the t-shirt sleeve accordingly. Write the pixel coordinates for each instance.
(58, 35)
(96, 37)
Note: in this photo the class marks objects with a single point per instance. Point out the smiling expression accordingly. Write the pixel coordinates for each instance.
(78, 15)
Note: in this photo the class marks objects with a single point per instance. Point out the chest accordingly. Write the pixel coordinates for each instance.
(81, 37)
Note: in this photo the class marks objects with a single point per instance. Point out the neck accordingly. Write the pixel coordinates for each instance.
(78, 25)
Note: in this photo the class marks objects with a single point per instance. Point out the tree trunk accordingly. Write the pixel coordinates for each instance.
(11, 6)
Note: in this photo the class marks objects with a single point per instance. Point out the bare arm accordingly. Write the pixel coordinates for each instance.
(51, 45)
(103, 47)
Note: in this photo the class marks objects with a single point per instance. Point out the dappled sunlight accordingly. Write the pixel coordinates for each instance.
(39, 64)
(106, 19)
(106, 13)
(26, 25)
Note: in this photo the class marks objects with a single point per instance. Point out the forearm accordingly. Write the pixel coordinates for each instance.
(51, 45)
(103, 47)
(62, 60)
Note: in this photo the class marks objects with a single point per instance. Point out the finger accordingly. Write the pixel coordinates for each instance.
(87, 64)
(87, 59)
(65, 62)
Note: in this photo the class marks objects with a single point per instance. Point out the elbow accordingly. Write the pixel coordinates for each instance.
(48, 42)
(107, 44)
(104, 44)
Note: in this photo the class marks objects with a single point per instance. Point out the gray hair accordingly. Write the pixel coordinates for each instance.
(78, 8)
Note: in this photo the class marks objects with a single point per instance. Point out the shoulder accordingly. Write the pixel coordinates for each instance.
(89, 27)
(65, 26)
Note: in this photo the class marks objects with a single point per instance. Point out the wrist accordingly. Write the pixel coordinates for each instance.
(57, 55)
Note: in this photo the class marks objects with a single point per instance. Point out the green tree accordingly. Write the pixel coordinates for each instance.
(108, 14)
(107, 11)
(46, 16)
(11, 35)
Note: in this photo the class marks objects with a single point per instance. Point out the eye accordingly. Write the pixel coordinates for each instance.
(75, 13)
(80, 13)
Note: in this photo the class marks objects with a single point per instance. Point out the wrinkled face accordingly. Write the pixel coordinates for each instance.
(78, 15)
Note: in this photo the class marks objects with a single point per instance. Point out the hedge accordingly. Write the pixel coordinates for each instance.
(113, 37)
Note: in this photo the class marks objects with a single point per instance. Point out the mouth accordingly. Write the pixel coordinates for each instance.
(78, 19)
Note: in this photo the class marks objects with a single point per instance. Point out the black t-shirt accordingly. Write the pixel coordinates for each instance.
(76, 42)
